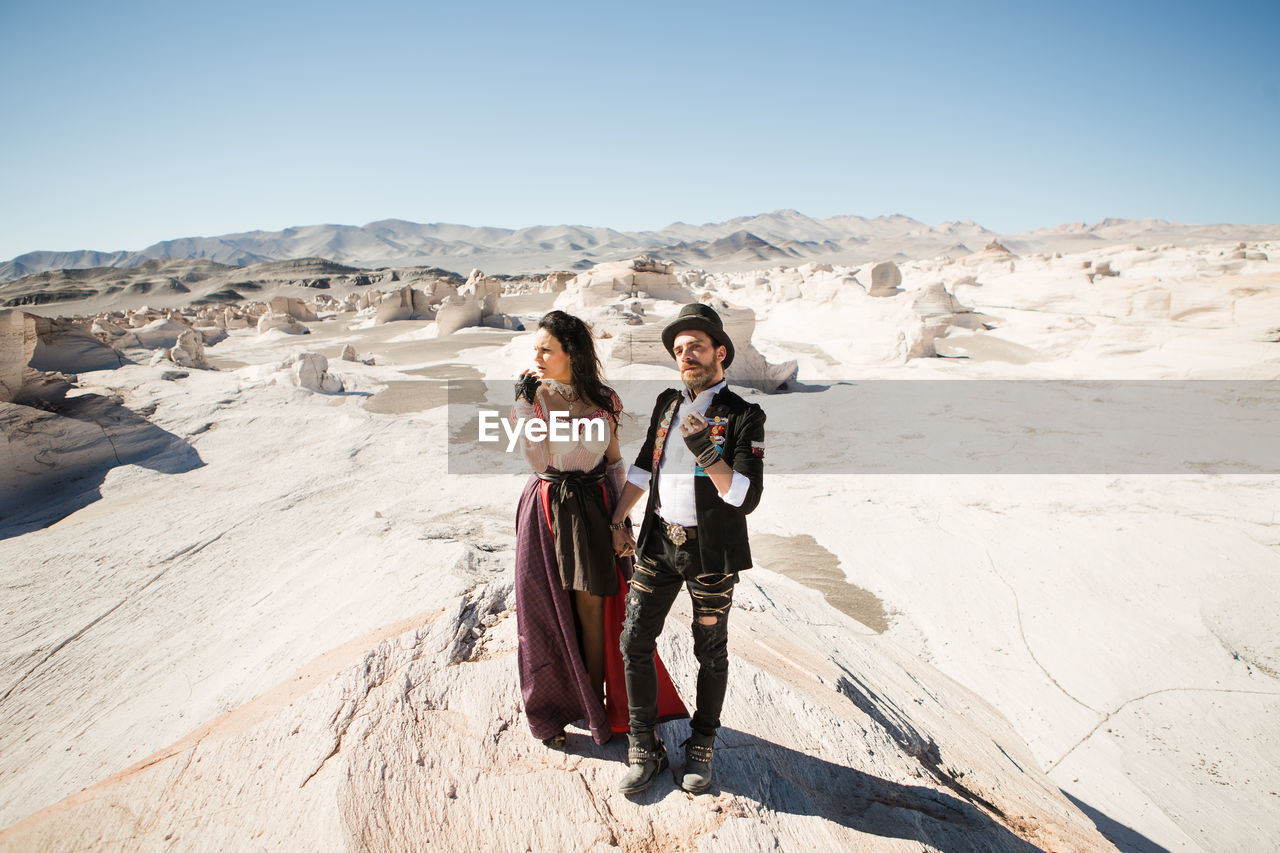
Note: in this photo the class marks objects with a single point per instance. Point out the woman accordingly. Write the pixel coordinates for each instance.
(570, 585)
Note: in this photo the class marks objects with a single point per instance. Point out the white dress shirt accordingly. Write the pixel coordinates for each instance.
(675, 485)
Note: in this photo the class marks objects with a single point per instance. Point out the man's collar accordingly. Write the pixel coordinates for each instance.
(712, 391)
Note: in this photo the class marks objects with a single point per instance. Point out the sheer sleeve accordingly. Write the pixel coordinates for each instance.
(535, 451)
(617, 471)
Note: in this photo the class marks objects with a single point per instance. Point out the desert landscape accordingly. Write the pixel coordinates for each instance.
(1016, 560)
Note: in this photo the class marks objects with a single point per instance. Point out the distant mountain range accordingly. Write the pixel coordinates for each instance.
(784, 237)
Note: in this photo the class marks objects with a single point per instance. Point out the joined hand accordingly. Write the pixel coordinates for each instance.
(624, 544)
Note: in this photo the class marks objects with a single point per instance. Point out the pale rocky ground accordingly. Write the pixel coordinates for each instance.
(290, 626)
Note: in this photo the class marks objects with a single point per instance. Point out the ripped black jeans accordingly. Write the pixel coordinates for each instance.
(659, 574)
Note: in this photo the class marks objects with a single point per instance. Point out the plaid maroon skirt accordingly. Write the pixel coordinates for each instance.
(553, 678)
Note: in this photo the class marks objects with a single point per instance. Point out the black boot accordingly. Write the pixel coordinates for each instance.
(647, 757)
(697, 762)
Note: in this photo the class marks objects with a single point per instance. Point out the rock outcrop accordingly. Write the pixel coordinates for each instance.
(994, 252)
(310, 370)
(886, 279)
(396, 305)
(69, 346)
(161, 333)
(938, 311)
(476, 303)
(556, 282)
(833, 740)
(607, 282)
(295, 308)
(642, 344)
(458, 312)
(34, 344)
(58, 449)
(283, 323)
(17, 345)
(188, 351)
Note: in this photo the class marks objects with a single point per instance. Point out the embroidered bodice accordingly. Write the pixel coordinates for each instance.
(587, 433)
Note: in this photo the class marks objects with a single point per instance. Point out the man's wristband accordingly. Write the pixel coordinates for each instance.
(620, 525)
(709, 457)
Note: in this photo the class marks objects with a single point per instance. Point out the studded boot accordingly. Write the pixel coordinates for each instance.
(646, 757)
(697, 764)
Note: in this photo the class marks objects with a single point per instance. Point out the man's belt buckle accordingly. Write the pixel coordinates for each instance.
(675, 533)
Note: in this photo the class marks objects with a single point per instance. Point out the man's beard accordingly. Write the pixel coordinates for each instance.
(697, 377)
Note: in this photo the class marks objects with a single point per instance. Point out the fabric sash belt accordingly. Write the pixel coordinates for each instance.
(580, 523)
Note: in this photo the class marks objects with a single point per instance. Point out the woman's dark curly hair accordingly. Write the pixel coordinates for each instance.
(575, 339)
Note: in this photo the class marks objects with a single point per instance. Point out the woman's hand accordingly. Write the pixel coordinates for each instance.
(624, 544)
(527, 386)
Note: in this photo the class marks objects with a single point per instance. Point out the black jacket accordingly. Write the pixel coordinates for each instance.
(722, 528)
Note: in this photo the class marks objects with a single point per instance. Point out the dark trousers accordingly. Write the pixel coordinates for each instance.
(659, 574)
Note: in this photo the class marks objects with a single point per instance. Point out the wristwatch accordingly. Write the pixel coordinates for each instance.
(620, 525)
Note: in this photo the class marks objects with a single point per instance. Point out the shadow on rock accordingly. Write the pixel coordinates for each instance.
(781, 779)
(1125, 839)
(784, 780)
(59, 450)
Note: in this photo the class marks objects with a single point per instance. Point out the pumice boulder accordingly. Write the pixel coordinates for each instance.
(282, 322)
(189, 351)
(311, 371)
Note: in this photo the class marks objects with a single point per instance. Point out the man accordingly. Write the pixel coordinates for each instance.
(694, 532)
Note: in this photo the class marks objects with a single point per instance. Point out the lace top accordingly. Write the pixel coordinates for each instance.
(580, 440)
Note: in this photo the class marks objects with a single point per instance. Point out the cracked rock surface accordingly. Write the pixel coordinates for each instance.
(833, 739)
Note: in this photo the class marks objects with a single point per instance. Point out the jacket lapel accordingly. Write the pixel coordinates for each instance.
(664, 426)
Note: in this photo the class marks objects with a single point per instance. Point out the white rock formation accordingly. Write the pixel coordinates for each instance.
(283, 323)
(211, 335)
(58, 453)
(886, 279)
(934, 300)
(161, 333)
(294, 307)
(827, 285)
(476, 303)
(556, 282)
(396, 305)
(993, 254)
(423, 309)
(938, 311)
(632, 344)
(311, 371)
(833, 740)
(486, 291)
(457, 312)
(440, 290)
(188, 351)
(70, 346)
(17, 345)
(106, 330)
(606, 282)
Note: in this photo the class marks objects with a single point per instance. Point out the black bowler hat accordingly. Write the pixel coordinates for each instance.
(699, 317)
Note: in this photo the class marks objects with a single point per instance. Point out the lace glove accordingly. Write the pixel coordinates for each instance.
(526, 390)
(527, 386)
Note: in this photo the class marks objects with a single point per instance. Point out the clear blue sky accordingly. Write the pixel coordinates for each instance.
(131, 122)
